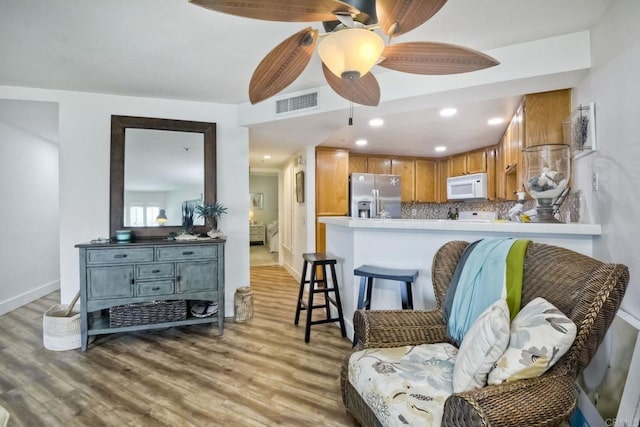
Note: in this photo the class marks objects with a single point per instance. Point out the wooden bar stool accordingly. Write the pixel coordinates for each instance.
(369, 272)
(323, 260)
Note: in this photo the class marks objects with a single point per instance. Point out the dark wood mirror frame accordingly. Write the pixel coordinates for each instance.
(118, 126)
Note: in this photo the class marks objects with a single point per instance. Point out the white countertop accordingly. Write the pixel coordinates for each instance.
(464, 225)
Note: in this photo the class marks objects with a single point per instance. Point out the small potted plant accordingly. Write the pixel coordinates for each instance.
(212, 212)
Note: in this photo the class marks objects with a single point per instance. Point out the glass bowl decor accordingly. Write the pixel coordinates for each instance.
(547, 169)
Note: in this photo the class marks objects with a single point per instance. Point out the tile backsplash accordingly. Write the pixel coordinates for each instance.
(571, 206)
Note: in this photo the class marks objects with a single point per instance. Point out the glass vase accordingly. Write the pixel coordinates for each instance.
(547, 169)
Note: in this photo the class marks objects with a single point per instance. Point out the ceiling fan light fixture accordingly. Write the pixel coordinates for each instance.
(351, 53)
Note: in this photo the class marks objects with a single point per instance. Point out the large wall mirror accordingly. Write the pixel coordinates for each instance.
(159, 166)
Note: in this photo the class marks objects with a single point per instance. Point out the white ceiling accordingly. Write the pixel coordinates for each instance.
(173, 49)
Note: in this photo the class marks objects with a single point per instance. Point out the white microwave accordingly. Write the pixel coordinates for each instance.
(467, 187)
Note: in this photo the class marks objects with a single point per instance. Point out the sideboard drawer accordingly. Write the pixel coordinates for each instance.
(119, 256)
(109, 282)
(154, 271)
(177, 253)
(160, 287)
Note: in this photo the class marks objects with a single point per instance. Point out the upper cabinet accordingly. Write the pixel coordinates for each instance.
(477, 161)
(537, 121)
(543, 116)
(406, 168)
(378, 165)
(468, 163)
(443, 174)
(490, 161)
(332, 181)
(458, 165)
(427, 181)
(358, 163)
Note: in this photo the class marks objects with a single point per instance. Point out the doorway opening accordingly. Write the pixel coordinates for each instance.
(264, 236)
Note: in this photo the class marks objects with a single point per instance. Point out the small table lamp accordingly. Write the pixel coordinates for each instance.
(162, 217)
(250, 216)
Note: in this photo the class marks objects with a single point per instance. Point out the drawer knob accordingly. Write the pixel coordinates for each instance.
(120, 256)
(155, 271)
(155, 288)
(187, 253)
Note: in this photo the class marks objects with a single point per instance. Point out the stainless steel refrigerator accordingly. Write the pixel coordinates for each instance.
(374, 195)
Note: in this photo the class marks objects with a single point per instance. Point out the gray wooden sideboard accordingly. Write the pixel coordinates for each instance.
(118, 274)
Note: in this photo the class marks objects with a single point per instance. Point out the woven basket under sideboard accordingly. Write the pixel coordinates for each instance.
(147, 313)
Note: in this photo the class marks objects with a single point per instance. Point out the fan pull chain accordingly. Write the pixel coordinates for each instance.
(350, 113)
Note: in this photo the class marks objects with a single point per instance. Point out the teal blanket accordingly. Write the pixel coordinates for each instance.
(492, 270)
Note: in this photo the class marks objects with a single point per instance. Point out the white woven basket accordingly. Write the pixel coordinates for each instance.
(61, 333)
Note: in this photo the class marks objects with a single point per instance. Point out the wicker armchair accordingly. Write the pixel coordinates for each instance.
(586, 290)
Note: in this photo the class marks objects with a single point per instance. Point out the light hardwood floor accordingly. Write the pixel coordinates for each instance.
(259, 373)
(259, 256)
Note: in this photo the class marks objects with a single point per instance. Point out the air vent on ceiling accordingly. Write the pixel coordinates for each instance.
(297, 103)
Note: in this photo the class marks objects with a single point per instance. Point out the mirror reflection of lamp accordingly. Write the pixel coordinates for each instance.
(162, 217)
(250, 216)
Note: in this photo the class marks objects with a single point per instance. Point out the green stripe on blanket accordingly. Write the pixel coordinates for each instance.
(515, 271)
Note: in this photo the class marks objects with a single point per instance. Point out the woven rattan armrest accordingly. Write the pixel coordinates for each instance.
(545, 400)
(394, 328)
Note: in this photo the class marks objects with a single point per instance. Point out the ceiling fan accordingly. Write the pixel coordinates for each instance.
(350, 46)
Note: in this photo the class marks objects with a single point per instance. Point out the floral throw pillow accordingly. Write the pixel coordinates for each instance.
(540, 335)
(481, 347)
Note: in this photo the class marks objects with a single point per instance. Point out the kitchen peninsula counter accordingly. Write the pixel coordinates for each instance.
(412, 244)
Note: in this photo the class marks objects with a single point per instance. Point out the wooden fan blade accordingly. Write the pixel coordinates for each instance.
(365, 90)
(434, 58)
(400, 16)
(282, 65)
(280, 10)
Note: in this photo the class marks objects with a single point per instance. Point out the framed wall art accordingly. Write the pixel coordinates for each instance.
(256, 200)
(580, 130)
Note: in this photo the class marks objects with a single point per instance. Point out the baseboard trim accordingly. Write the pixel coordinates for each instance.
(292, 271)
(29, 296)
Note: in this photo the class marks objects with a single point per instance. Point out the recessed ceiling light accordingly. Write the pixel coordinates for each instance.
(266, 157)
(448, 112)
(440, 148)
(376, 122)
(495, 121)
(361, 142)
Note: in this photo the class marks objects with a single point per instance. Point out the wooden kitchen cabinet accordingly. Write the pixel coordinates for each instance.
(357, 163)
(500, 175)
(537, 121)
(427, 181)
(458, 165)
(490, 163)
(543, 116)
(513, 140)
(476, 161)
(468, 163)
(321, 236)
(332, 181)
(443, 174)
(406, 168)
(378, 165)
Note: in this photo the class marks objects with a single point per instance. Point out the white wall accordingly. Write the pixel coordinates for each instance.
(84, 172)
(294, 217)
(612, 84)
(29, 242)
